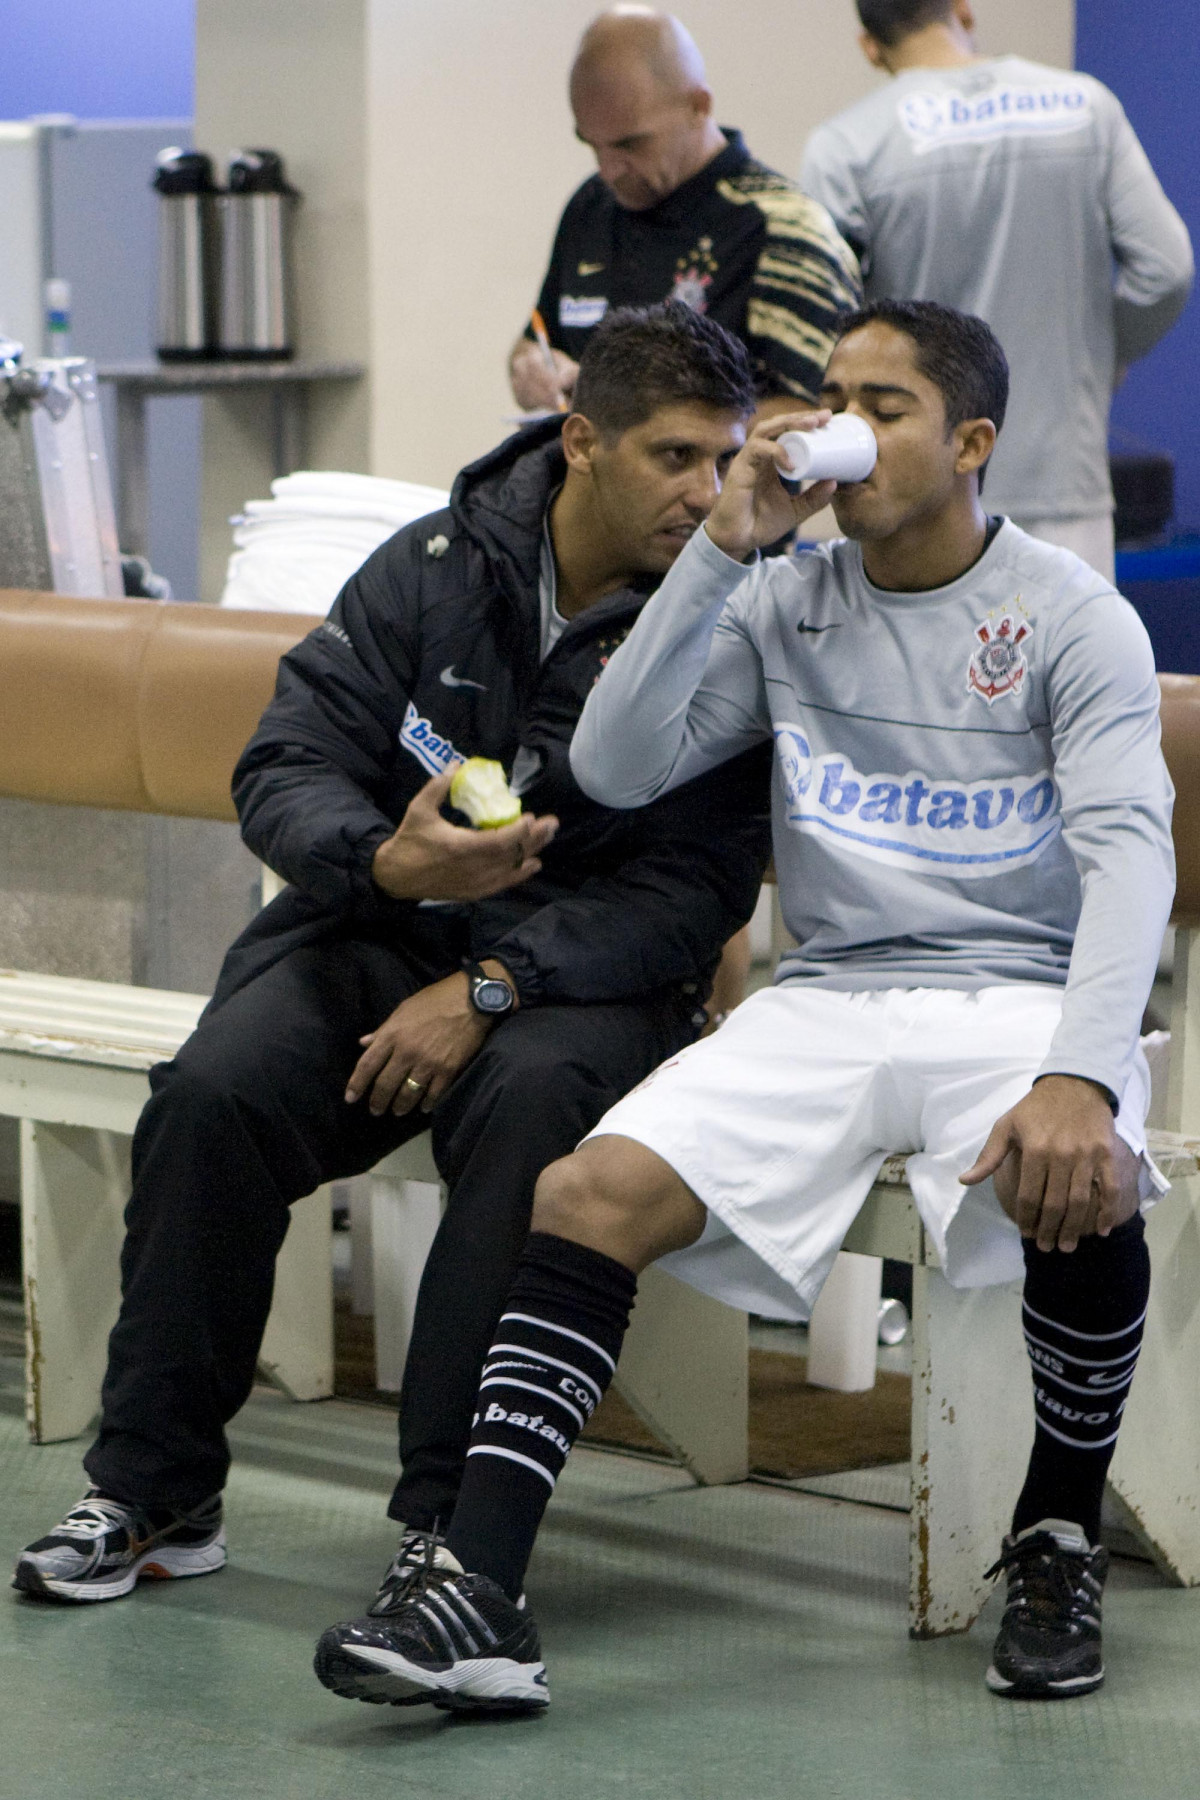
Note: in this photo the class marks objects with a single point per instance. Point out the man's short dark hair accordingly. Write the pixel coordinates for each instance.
(640, 358)
(891, 20)
(959, 353)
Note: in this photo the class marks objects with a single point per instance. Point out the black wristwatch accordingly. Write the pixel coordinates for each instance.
(488, 994)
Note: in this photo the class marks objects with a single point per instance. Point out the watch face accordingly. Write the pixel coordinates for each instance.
(491, 996)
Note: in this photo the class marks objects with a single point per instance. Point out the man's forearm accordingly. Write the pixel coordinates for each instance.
(312, 825)
(1126, 905)
(628, 745)
(1139, 327)
(1152, 249)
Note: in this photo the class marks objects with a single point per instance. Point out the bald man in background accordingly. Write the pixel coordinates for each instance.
(680, 210)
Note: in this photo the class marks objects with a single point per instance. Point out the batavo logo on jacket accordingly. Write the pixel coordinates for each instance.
(918, 821)
(432, 751)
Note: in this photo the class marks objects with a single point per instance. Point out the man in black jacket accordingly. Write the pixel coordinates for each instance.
(504, 988)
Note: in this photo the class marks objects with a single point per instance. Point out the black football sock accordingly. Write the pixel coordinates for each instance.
(555, 1353)
(1083, 1318)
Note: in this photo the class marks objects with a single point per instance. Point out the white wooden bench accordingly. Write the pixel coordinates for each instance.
(74, 1060)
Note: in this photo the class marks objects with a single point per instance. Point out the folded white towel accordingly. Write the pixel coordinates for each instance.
(296, 551)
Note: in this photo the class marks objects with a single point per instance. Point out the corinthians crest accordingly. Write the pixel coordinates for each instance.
(998, 666)
(693, 276)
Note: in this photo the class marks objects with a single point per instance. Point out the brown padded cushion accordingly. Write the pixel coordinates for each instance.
(206, 676)
(145, 706)
(139, 705)
(1181, 747)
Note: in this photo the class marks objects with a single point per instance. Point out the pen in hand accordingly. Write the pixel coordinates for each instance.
(543, 338)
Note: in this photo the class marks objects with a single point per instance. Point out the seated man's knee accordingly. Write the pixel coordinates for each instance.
(219, 1100)
(616, 1196)
(571, 1191)
(190, 1083)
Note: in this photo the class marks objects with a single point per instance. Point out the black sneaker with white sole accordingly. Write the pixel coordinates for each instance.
(418, 1551)
(103, 1548)
(1049, 1645)
(435, 1633)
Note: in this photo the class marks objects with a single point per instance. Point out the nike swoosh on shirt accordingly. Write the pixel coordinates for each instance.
(832, 626)
(449, 679)
(589, 268)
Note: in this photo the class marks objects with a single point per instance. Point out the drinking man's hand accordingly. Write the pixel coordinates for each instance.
(754, 507)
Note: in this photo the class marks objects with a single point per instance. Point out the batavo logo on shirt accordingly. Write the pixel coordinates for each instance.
(932, 119)
(916, 821)
(432, 751)
(581, 312)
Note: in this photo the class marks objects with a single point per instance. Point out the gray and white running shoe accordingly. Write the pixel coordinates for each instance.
(103, 1548)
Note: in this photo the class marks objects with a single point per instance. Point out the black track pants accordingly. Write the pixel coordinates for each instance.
(250, 1117)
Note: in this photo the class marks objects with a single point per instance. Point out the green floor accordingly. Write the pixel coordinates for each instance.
(739, 1643)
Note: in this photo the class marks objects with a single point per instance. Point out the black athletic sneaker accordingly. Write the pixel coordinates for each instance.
(103, 1548)
(1049, 1646)
(419, 1550)
(436, 1633)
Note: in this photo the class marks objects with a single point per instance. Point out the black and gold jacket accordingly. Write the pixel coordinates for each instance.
(735, 241)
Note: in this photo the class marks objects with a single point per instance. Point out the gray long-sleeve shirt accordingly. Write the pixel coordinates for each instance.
(968, 785)
(1020, 193)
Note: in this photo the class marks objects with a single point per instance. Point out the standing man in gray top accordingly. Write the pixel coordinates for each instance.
(971, 820)
(1018, 192)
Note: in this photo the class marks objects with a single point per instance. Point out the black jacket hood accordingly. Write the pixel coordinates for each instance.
(500, 500)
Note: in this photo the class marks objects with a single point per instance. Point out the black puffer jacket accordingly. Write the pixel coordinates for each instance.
(432, 649)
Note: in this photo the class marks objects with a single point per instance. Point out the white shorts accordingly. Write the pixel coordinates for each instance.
(779, 1123)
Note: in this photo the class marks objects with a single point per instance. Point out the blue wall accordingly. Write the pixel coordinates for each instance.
(1150, 57)
(98, 59)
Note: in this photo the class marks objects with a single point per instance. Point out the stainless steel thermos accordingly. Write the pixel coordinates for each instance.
(225, 278)
(187, 255)
(256, 220)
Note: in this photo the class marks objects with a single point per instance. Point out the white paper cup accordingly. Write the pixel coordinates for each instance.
(843, 450)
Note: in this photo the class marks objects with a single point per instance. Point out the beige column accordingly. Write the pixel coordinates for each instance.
(293, 78)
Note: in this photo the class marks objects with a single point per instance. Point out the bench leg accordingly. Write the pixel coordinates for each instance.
(684, 1369)
(972, 1426)
(1155, 1473)
(843, 1333)
(74, 1187)
(297, 1346)
(362, 1254)
(405, 1215)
